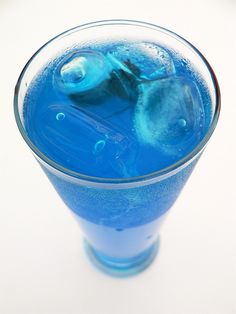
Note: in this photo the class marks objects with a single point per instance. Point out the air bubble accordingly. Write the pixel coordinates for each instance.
(60, 116)
(98, 147)
(182, 123)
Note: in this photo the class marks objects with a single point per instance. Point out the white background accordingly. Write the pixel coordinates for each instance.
(43, 269)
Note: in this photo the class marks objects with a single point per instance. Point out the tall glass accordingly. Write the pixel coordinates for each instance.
(120, 218)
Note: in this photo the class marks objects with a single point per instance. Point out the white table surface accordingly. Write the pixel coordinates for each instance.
(43, 268)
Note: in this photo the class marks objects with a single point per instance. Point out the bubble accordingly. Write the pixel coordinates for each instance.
(182, 123)
(98, 147)
(60, 116)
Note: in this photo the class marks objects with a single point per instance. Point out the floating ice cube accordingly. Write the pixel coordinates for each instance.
(169, 113)
(122, 85)
(81, 71)
(146, 61)
(117, 87)
(81, 138)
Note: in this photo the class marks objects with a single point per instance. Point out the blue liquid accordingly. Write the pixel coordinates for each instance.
(107, 119)
(118, 111)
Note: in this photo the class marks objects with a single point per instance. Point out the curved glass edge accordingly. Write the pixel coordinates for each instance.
(137, 180)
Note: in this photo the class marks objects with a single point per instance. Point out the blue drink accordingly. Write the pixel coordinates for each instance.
(112, 120)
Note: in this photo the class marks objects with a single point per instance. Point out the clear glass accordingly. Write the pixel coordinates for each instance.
(120, 218)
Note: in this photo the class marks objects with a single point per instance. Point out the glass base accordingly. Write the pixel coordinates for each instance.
(120, 267)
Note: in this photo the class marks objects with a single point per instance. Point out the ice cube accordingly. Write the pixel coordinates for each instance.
(146, 61)
(169, 113)
(82, 140)
(117, 86)
(81, 71)
(122, 85)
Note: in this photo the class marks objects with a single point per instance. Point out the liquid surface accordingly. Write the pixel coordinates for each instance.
(118, 110)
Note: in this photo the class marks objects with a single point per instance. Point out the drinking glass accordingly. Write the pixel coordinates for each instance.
(120, 218)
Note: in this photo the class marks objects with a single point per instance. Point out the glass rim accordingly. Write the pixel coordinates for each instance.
(167, 171)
